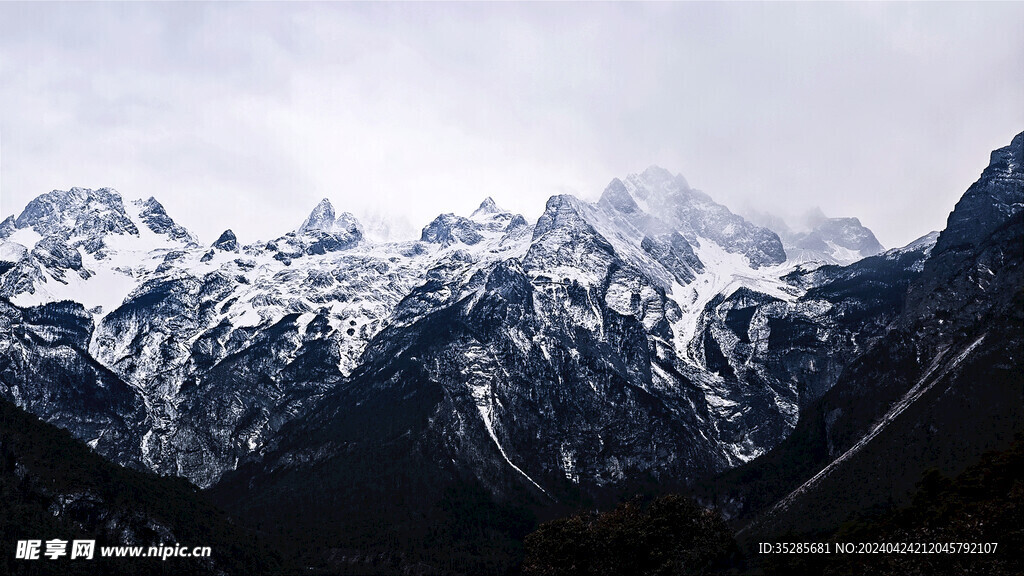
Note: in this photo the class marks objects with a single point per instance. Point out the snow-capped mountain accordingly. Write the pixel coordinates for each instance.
(212, 338)
(87, 246)
(654, 293)
(663, 203)
(822, 240)
(229, 342)
(652, 336)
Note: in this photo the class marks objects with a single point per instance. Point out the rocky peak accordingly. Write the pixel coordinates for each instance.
(153, 215)
(666, 203)
(7, 227)
(346, 223)
(345, 227)
(823, 240)
(560, 211)
(1008, 160)
(448, 229)
(486, 221)
(487, 207)
(991, 201)
(516, 223)
(617, 197)
(227, 242)
(77, 212)
(321, 218)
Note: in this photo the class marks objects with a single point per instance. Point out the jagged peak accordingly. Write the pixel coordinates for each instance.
(487, 207)
(227, 241)
(155, 217)
(516, 222)
(560, 210)
(347, 222)
(321, 218)
(617, 196)
(151, 202)
(77, 211)
(79, 195)
(324, 205)
(1007, 160)
(996, 197)
(655, 172)
(7, 227)
(448, 229)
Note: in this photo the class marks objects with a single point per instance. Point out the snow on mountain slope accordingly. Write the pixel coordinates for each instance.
(227, 343)
(823, 240)
(724, 274)
(603, 345)
(88, 246)
(669, 200)
(320, 292)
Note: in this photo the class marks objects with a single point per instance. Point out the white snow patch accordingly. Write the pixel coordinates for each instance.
(724, 273)
(12, 252)
(27, 237)
(484, 399)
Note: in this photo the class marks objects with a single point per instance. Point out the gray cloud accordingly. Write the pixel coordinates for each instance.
(243, 115)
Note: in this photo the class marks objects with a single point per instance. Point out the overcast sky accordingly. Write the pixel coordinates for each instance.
(244, 115)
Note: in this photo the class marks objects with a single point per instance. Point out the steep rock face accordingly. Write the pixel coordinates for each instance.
(54, 254)
(14, 256)
(488, 218)
(321, 218)
(46, 369)
(487, 207)
(574, 360)
(835, 240)
(538, 384)
(564, 241)
(937, 390)
(808, 342)
(448, 229)
(226, 346)
(153, 215)
(674, 253)
(988, 203)
(226, 242)
(8, 227)
(228, 349)
(218, 347)
(320, 233)
(77, 212)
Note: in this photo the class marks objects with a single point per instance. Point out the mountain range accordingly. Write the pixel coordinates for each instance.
(423, 404)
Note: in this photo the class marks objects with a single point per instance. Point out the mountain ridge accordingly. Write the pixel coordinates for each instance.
(650, 339)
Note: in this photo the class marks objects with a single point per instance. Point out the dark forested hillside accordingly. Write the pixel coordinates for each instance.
(54, 487)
